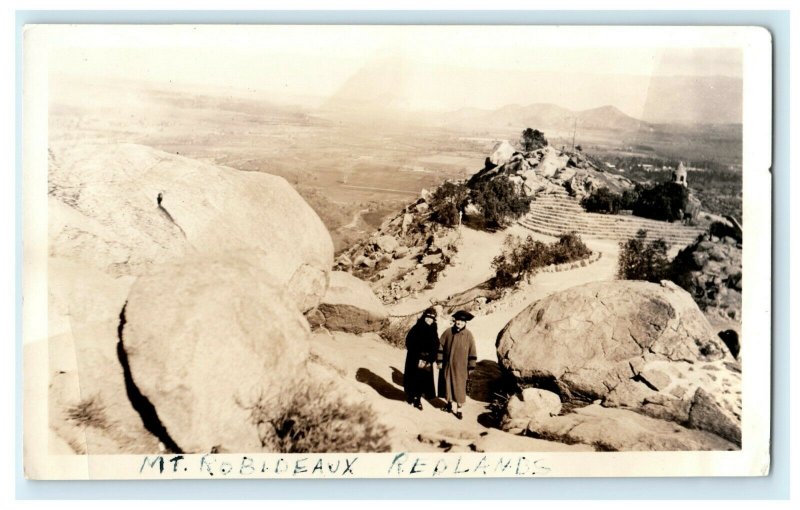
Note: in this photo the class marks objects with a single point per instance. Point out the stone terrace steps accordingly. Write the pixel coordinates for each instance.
(557, 213)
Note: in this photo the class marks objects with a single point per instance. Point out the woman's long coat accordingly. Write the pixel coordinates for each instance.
(458, 355)
(422, 344)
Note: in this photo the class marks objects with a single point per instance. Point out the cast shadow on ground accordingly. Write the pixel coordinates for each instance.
(397, 376)
(379, 384)
(489, 420)
(436, 402)
(432, 399)
(485, 381)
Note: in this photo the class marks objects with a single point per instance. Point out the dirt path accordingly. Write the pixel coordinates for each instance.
(486, 327)
(356, 219)
(471, 266)
(375, 370)
(474, 268)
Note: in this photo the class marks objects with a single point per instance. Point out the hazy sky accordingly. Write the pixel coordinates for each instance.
(296, 61)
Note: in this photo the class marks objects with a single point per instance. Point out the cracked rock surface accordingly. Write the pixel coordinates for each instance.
(207, 341)
(639, 346)
(123, 208)
(118, 212)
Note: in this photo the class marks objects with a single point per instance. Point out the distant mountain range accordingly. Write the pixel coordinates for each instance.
(549, 117)
(395, 86)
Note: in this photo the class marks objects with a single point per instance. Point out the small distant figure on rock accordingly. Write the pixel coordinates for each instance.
(456, 359)
(422, 344)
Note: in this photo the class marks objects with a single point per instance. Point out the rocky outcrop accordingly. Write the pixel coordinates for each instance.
(124, 208)
(547, 169)
(711, 271)
(117, 212)
(623, 430)
(87, 394)
(387, 243)
(636, 345)
(501, 153)
(350, 306)
(493, 441)
(404, 255)
(207, 341)
(87, 399)
(532, 405)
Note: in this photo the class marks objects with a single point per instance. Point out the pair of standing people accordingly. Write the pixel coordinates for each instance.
(454, 354)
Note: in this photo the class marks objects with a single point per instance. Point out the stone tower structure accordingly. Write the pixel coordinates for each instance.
(679, 175)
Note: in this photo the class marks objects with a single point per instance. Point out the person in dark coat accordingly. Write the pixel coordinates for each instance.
(422, 344)
(456, 359)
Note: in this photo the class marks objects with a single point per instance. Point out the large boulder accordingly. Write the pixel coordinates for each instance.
(207, 344)
(125, 208)
(88, 403)
(351, 306)
(638, 345)
(386, 243)
(119, 211)
(623, 430)
(501, 153)
(533, 404)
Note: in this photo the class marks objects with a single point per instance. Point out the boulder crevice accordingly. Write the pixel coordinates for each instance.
(139, 402)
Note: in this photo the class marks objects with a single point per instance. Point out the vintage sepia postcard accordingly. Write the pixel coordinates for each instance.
(396, 251)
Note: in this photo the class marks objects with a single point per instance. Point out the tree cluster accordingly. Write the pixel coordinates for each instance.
(532, 139)
(447, 202)
(522, 258)
(666, 201)
(605, 201)
(499, 201)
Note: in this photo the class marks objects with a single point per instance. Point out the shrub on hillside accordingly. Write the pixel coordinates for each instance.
(568, 248)
(447, 202)
(518, 259)
(311, 420)
(602, 200)
(522, 258)
(630, 197)
(434, 270)
(500, 201)
(90, 412)
(642, 260)
(532, 139)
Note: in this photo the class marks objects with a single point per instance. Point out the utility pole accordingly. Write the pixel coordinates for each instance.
(574, 128)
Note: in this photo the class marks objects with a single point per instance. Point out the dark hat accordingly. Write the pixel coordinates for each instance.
(461, 315)
(430, 312)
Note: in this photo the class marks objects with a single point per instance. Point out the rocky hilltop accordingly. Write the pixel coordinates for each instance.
(547, 169)
(196, 308)
(408, 252)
